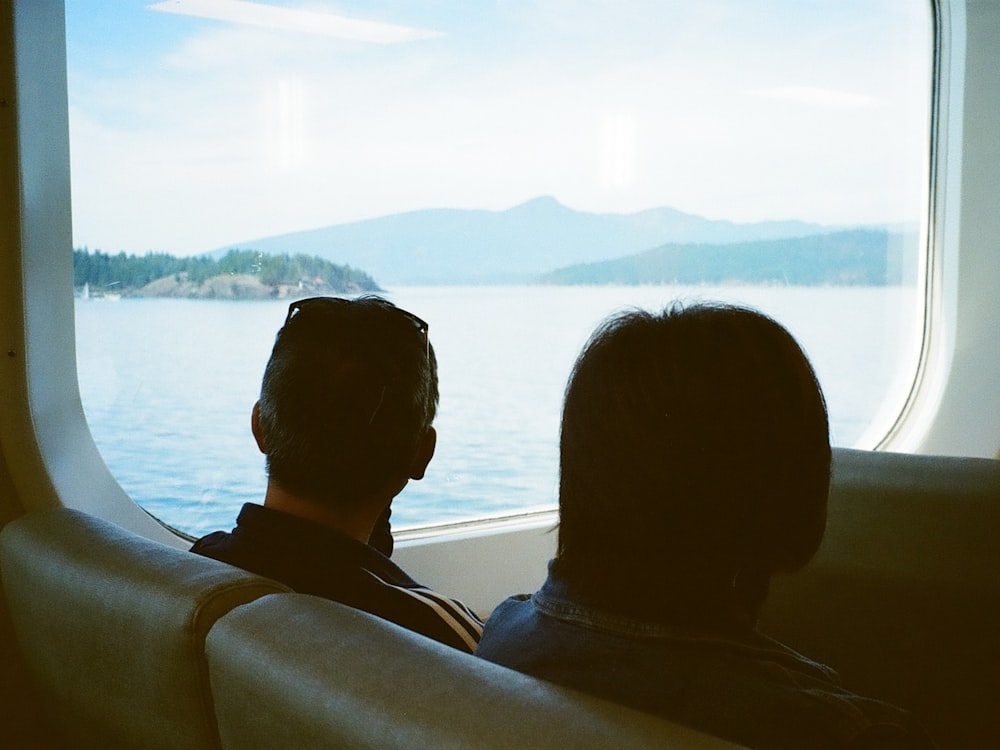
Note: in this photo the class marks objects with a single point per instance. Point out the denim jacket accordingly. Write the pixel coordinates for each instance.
(746, 688)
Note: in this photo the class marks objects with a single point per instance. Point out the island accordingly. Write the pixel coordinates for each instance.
(857, 257)
(237, 275)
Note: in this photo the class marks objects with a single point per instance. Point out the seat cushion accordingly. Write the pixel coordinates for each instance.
(113, 626)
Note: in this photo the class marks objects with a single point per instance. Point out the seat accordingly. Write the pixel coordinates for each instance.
(112, 627)
(299, 671)
(903, 597)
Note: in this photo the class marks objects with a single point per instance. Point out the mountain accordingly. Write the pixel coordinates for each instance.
(851, 257)
(464, 246)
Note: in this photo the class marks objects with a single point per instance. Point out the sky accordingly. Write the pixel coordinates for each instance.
(201, 123)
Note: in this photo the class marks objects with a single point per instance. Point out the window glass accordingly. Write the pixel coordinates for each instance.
(512, 172)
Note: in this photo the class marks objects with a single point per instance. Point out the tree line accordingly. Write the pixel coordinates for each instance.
(855, 257)
(123, 272)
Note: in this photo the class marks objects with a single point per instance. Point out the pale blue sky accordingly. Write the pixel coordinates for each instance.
(190, 132)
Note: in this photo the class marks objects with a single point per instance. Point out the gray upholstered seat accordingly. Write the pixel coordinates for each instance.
(113, 625)
(903, 598)
(298, 671)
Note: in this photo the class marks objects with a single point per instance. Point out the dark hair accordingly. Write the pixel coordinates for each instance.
(694, 451)
(350, 388)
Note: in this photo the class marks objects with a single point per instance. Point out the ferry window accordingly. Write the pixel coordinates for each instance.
(512, 172)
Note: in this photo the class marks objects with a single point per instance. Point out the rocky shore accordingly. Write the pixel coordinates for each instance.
(234, 287)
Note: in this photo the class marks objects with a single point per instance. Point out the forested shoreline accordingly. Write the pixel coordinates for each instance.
(856, 257)
(258, 274)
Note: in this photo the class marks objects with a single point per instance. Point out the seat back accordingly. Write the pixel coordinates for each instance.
(112, 626)
(903, 598)
(298, 671)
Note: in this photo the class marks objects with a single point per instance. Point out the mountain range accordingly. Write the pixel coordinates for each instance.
(520, 244)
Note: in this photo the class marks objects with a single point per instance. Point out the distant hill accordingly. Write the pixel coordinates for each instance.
(852, 257)
(463, 246)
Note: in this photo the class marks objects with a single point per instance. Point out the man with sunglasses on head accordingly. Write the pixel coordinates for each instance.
(344, 419)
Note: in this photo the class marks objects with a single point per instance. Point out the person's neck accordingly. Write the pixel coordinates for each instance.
(357, 521)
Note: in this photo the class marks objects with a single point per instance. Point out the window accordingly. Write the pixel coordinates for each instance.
(511, 172)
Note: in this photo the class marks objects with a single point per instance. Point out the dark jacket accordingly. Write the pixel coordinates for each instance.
(741, 686)
(313, 559)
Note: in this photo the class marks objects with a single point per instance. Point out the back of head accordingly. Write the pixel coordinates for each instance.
(694, 451)
(350, 388)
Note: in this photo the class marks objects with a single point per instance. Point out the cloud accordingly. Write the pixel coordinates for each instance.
(287, 19)
(817, 96)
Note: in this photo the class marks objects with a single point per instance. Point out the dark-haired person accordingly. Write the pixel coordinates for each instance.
(694, 465)
(344, 419)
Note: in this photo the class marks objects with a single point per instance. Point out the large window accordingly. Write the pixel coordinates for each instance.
(512, 172)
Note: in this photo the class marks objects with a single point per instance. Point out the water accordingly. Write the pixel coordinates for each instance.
(168, 386)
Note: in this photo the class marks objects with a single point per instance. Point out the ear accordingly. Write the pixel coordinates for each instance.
(258, 434)
(424, 454)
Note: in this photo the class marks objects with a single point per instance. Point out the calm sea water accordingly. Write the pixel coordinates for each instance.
(168, 386)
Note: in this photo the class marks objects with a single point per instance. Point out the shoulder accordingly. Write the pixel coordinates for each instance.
(424, 611)
(810, 705)
(209, 543)
(508, 629)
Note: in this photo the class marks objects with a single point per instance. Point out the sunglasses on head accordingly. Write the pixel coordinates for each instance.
(299, 306)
